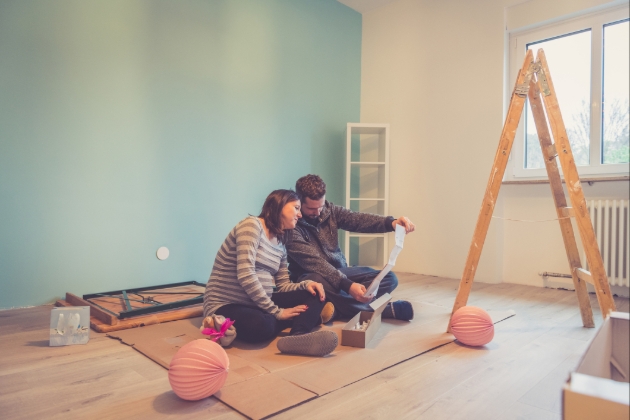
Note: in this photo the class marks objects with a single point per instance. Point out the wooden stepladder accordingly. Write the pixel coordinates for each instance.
(534, 81)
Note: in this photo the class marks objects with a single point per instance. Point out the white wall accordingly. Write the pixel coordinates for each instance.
(435, 72)
(127, 125)
(532, 248)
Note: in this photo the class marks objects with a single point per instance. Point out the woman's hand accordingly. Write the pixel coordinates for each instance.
(314, 287)
(288, 313)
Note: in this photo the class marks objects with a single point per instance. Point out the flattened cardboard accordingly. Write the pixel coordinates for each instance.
(160, 342)
(395, 342)
(261, 380)
(360, 338)
(599, 387)
(263, 396)
(267, 355)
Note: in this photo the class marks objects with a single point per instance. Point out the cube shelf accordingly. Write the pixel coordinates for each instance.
(367, 189)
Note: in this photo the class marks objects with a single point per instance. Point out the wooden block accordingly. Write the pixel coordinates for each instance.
(141, 321)
(95, 311)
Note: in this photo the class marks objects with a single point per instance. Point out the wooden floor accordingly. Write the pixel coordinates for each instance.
(517, 376)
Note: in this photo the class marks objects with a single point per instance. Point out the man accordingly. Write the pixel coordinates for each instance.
(314, 254)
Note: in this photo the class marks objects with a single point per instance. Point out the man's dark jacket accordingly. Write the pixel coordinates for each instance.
(314, 247)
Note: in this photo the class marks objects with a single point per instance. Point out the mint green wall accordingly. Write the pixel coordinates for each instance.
(133, 124)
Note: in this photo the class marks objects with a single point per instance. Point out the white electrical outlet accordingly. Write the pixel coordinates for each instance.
(162, 253)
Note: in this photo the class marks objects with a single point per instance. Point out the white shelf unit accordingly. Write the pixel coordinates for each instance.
(367, 189)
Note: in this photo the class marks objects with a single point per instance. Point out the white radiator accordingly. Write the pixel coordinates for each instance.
(610, 221)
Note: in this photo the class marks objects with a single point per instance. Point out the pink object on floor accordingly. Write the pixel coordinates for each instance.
(216, 335)
(198, 370)
(472, 326)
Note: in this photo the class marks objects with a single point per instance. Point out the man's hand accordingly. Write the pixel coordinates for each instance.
(314, 287)
(404, 222)
(288, 313)
(357, 290)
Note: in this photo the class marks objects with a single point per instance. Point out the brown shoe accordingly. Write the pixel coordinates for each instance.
(328, 312)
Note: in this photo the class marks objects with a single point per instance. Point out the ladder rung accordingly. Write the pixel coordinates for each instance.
(584, 275)
(567, 211)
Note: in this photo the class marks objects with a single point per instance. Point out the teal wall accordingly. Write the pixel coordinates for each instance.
(133, 124)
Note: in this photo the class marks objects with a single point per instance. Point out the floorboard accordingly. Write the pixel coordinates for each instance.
(517, 376)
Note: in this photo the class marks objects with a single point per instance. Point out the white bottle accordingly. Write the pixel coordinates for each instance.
(60, 324)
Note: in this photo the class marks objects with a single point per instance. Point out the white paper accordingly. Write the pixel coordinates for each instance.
(399, 238)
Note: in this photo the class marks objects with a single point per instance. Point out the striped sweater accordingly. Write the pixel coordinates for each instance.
(246, 269)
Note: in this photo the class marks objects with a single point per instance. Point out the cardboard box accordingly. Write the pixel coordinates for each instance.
(69, 325)
(355, 338)
(599, 388)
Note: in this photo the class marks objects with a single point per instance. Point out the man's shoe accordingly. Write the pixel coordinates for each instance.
(401, 309)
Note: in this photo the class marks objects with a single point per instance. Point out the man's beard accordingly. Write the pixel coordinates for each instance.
(311, 220)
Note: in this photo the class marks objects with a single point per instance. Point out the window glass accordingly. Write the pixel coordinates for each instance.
(615, 94)
(569, 61)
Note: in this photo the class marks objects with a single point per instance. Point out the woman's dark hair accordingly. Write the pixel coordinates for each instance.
(272, 209)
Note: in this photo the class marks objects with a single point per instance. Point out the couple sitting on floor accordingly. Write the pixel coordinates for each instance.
(284, 269)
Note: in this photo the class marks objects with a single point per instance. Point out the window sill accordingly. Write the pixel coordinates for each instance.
(589, 180)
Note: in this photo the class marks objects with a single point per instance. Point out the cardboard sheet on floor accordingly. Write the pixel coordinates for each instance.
(273, 382)
(160, 343)
(263, 395)
(395, 342)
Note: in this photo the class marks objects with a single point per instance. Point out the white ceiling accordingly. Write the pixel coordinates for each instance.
(363, 6)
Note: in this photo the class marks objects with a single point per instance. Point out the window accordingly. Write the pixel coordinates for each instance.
(615, 101)
(588, 61)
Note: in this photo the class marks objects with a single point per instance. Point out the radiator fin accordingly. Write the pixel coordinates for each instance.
(610, 222)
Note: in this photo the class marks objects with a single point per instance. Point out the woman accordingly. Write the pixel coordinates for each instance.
(250, 283)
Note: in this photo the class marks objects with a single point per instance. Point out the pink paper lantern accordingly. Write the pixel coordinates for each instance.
(198, 370)
(472, 326)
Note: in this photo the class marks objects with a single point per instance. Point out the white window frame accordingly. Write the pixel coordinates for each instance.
(518, 45)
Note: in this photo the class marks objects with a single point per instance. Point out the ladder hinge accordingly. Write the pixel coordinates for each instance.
(522, 89)
(542, 78)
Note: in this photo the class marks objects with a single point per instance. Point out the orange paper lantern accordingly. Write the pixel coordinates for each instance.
(472, 326)
(198, 370)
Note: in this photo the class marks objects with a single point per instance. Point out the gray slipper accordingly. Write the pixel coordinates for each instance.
(318, 343)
